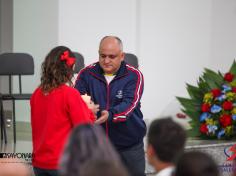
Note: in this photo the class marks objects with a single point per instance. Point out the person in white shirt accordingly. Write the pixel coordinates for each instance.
(165, 143)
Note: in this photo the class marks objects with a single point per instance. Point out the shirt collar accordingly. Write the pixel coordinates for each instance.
(166, 172)
(99, 72)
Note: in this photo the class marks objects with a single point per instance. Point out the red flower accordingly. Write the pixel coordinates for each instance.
(216, 92)
(203, 128)
(227, 105)
(225, 120)
(229, 77)
(234, 89)
(205, 107)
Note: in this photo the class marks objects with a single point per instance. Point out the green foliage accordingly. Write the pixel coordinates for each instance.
(233, 68)
(192, 106)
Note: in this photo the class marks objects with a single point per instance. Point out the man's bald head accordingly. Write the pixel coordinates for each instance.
(111, 39)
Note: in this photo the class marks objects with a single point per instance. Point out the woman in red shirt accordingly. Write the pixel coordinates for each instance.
(56, 107)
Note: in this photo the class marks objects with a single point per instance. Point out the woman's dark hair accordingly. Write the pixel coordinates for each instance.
(196, 163)
(103, 168)
(54, 70)
(86, 145)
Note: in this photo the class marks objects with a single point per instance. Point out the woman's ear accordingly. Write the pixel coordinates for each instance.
(150, 153)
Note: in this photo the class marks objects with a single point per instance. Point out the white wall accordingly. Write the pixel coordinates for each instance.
(223, 34)
(171, 39)
(174, 47)
(174, 40)
(83, 23)
(35, 32)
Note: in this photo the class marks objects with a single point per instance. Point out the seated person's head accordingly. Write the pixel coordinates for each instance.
(234, 167)
(103, 168)
(87, 143)
(166, 141)
(196, 163)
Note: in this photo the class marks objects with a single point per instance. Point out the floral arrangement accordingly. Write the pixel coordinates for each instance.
(212, 105)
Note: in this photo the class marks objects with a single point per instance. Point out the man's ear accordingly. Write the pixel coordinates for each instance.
(150, 150)
(122, 56)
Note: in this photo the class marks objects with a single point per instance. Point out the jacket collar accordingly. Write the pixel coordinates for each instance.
(98, 71)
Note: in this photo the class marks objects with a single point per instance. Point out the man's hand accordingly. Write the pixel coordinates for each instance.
(103, 118)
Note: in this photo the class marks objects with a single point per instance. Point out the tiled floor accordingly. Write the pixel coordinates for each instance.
(20, 152)
(23, 139)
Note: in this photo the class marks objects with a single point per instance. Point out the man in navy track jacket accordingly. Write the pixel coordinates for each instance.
(117, 87)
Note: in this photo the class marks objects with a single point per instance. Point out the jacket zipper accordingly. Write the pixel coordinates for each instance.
(108, 95)
(107, 106)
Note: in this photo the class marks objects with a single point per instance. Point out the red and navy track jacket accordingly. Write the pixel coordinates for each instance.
(121, 97)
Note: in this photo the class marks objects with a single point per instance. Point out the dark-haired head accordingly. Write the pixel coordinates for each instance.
(86, 144)
(167, 139)
(57, 68)
(196, 163)
(103, 168)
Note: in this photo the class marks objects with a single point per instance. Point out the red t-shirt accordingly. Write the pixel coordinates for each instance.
(52, 118)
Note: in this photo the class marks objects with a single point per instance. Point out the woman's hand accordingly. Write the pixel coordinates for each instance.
(93, 107)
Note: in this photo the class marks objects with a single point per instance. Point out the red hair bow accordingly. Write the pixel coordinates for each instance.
(69, 60)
